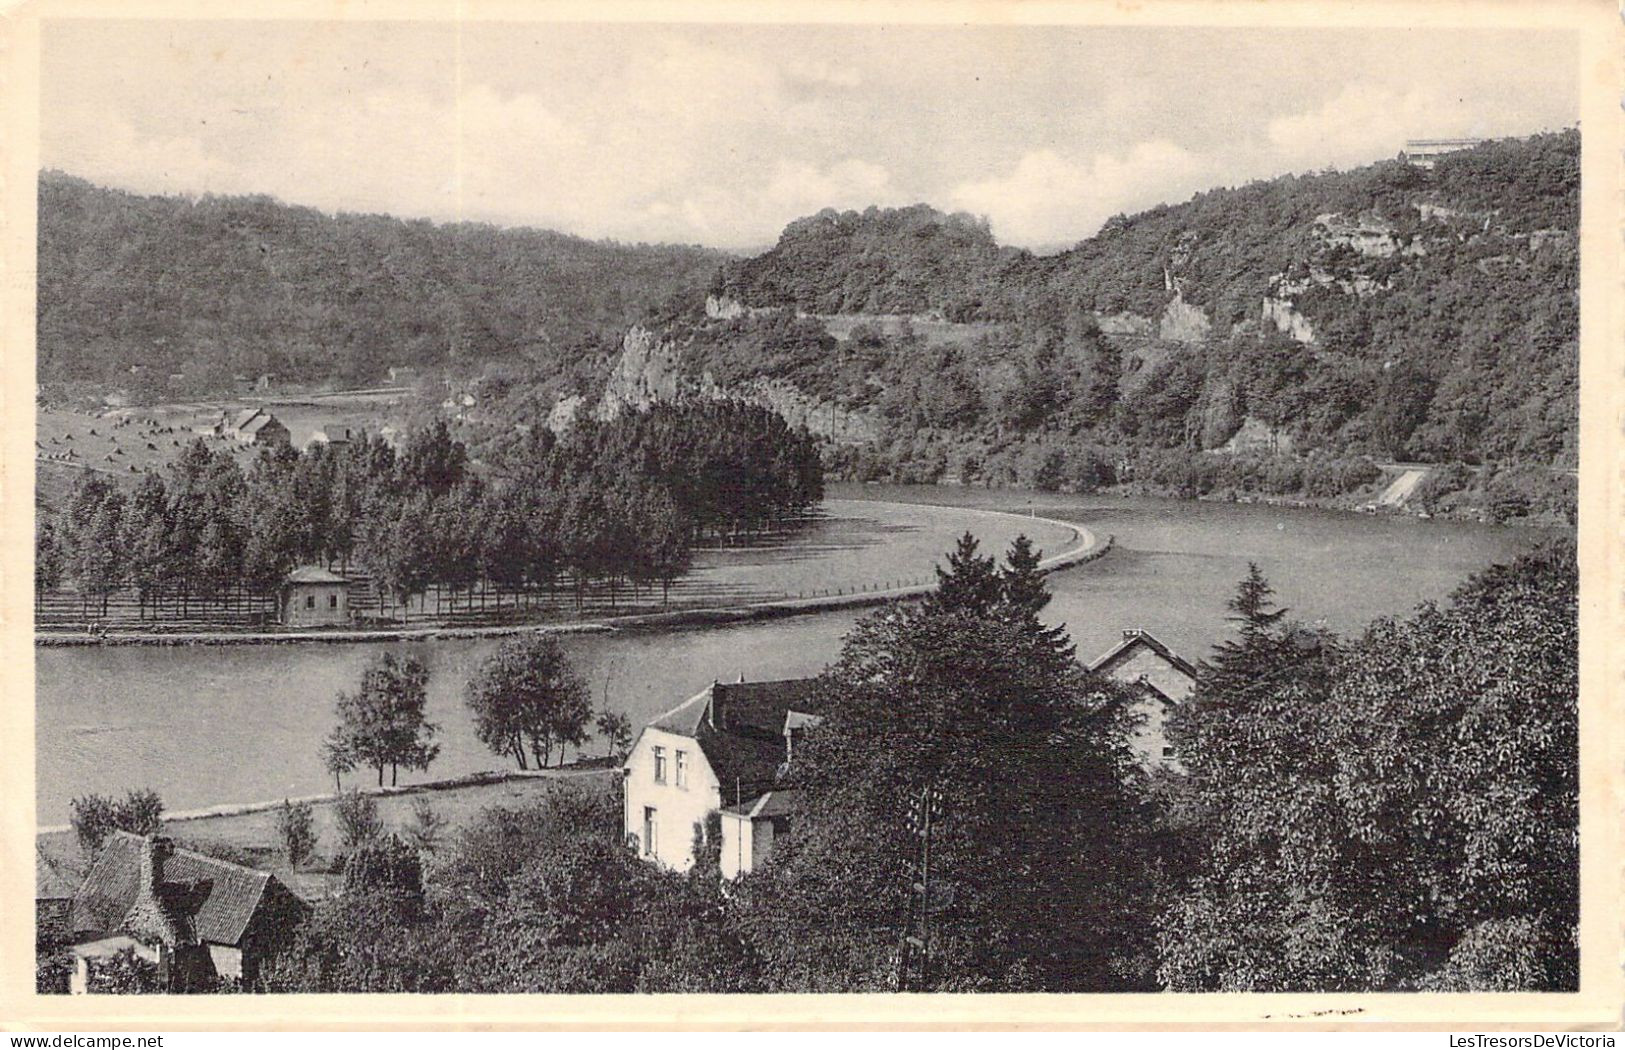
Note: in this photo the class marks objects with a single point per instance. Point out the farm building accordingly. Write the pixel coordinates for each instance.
(54, 888)
(197, 918)
(314, 597)
(335, 434)
(256, 426)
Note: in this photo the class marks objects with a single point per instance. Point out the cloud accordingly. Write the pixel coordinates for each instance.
(1366, 120)
(112, 151)
(752, 213)
(1048, 199)
(723, 134)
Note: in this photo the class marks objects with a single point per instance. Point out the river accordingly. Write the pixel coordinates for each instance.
(208, 725)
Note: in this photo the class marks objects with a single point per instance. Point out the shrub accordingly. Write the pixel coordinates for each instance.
(124, 974)
(357, 816)
(427, 828)
(296, 829)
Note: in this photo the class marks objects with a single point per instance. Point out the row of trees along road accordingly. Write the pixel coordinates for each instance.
(1394, 812)
(611, 502)
(527, 702)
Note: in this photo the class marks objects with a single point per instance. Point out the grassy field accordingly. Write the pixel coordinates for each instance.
(126, 442)
(251, 837)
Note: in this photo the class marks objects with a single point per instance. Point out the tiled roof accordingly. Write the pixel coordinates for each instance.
(217, 898)
(685, 718)
(740, 729)
(52, 879)
(314, 574)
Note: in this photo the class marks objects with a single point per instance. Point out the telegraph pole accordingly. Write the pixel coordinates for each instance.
(914, 950)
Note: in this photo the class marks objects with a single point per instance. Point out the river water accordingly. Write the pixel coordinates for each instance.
(210, 725)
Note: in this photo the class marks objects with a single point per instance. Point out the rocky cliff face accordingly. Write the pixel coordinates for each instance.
(650, 370)
(1183, 323)
(646, 372)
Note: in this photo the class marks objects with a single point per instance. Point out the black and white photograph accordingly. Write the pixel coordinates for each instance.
(730, 506)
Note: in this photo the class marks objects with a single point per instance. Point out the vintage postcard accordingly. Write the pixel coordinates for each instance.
(811, 515)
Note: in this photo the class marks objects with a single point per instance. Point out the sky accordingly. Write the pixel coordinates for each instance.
(720, 135)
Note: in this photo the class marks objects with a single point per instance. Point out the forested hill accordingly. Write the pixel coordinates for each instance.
(1224, 246)
(221, 286)
(1386, 311)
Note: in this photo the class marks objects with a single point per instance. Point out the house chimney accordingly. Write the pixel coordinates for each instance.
(155, 850)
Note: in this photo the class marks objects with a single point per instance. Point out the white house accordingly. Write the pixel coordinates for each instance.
(1163, 678)
(724, 750)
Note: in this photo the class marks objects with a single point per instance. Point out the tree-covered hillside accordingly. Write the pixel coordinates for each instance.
(217, 286)
(1388, 311)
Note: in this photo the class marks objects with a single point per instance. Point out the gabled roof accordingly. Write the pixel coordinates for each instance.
(1133, 639)
(258, 423)
(217, 899)
(314, 574)
(241, 419)
(685, 718)
(740, 727)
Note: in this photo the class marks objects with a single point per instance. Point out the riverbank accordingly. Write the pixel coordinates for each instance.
(1083, 547)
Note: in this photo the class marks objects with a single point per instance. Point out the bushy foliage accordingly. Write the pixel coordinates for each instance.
(357, 817)
(97, 816)
(1039, 835)
(381, 724)
(1396, 813)
(527, 698)
(125, 973)
(624, 500)
(539, 899)
(296, 829)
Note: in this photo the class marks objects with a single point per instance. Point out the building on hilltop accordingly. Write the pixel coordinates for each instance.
(1162, 678)
(725, 750)
(1424, 153)
(314, 597)
(198, 919)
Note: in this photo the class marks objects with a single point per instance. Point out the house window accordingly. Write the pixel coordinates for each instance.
(682, 769)
(310, 601)
(651, 827)
(660, 765)
(332, 601)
